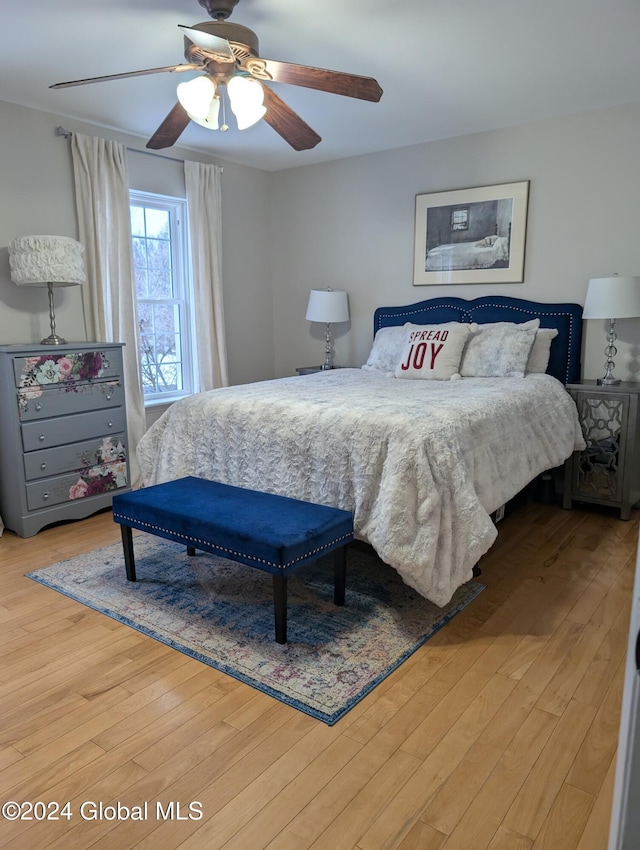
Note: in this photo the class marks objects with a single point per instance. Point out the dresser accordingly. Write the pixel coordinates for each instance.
(607, 471)
(63, 433)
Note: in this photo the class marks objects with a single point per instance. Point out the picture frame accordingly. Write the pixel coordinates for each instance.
(472, 236)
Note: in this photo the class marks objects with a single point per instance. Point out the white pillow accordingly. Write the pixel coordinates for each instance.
(519, 326)
(433, 352)
(499, 350)
(386, 349)
(540, 350)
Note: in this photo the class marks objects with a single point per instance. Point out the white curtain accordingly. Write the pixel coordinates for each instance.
(102, 200)
(205, 227)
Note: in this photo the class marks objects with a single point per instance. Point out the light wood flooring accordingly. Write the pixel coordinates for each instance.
(499, 733)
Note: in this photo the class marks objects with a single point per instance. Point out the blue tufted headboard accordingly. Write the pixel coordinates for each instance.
(564, 360)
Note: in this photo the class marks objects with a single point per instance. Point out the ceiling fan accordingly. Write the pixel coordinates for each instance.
(228, 54)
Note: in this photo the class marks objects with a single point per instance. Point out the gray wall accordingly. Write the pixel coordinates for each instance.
(37, 196)
(350, 224)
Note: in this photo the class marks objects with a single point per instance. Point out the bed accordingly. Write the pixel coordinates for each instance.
(421, 463)
(481, 254)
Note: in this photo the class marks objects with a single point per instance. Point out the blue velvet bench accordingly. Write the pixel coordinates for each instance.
(273, 533)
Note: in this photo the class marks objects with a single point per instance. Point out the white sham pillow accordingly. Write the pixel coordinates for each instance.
(386, 349)
(540, 351)
(499, 350)
(432, 352)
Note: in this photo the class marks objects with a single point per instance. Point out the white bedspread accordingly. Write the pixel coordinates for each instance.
(468, 255)
(421, 464)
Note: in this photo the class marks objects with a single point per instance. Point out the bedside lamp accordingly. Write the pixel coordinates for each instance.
(329, 306)
(47, 261)
(612, 298)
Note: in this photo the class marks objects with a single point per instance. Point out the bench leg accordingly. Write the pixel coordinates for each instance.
(191, 550)
(127, 546)
(280, 606)
(340, 575)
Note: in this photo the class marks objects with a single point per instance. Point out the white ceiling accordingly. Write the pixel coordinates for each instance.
(447, 67)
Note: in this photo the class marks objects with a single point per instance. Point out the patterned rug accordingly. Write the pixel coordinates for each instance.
(221, 613)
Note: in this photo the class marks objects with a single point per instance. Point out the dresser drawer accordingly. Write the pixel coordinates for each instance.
(67, 367)
(70, 429)
(41, 403)
(65, 488)
(76, 456)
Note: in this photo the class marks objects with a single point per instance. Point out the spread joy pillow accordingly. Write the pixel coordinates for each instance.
(432, 352)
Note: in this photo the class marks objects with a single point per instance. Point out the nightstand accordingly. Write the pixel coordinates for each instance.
(607, 471)
(311, 370)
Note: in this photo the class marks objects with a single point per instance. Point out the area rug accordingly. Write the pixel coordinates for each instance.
(221, 613)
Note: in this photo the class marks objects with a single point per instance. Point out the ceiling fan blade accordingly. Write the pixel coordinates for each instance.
(287, 123)
(336, 82)
(189, 67)
(170, 130)
(217, 47)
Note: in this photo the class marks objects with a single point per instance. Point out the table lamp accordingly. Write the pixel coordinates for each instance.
(612, 298)
(47, 261)
(328, 306)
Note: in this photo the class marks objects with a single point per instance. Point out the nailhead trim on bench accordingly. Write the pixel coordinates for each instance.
(230, 552)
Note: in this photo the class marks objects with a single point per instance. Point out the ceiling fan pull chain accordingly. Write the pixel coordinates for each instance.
(223, 102)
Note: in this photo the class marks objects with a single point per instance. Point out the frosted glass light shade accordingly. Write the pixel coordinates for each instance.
(612, 298)
(328, 305)
(210, 121)
(39, 260)
(246, 97)
(196, 96)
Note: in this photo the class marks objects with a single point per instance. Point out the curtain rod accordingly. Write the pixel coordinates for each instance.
(60, 131)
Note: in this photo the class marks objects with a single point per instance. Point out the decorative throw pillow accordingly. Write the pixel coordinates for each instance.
(386, 349)
(433, 352)
(540, 351)
(499, 351)
(518, 326)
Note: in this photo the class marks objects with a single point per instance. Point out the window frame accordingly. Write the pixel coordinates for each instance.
(182, 280)
(461, 223)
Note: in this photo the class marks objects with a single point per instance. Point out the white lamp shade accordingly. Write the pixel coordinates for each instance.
(328, 305)
(210, 121)
(246, 96)
(612, 298)
(196, 96)
(39, 260)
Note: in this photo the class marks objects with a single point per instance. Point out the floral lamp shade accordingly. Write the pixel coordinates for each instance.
(47, 261)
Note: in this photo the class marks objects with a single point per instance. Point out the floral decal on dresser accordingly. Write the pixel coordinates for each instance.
(105, 469)
(65, 370)
(62, 369)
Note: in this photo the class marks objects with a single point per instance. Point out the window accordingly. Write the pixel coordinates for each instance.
(460, 219)
(163, 290)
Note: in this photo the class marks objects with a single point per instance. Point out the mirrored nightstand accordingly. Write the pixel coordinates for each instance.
(607, 471)
(311, 370)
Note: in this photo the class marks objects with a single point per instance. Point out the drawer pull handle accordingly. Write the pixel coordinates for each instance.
(45, 496)
(43, 465)
(108, 397)
(110, 424)
(42, 438)
(38, 406)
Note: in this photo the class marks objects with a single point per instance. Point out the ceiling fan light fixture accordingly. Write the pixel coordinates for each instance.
(210, 121)
(246, 97)
(197, 98)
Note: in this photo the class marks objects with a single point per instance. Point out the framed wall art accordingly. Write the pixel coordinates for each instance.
(471, 235)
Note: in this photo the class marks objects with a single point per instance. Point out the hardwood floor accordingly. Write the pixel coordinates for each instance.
(499, 733)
